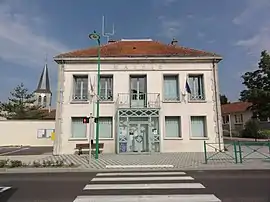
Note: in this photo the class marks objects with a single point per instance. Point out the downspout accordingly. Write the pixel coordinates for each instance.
(217, 103)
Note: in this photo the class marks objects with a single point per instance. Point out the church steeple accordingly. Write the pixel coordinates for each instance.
(43, 92)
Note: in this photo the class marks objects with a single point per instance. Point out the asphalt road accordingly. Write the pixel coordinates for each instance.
(228, 186)
(24, 150)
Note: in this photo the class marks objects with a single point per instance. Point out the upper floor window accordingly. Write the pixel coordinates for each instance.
(39, 100)
(225, 119)
(171, 88)
(106, 88)
(80, 87)
(44, 101)
(196, 87)
(238, 118)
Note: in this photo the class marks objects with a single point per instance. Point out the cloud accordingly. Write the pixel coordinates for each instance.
(23, 35)
(251, 10)
(168, 2)
(201, 35)
(254, 20)
(170, 28)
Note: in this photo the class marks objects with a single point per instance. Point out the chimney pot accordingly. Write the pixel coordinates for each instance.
(174, 42)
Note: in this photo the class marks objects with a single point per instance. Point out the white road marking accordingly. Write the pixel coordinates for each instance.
(2, 189)
(141, 173)
(150, 198)
(144, 186)
(139, 166)
(14, 151)
(102, 179)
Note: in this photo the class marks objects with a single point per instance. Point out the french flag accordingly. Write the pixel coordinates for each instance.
(187, 87)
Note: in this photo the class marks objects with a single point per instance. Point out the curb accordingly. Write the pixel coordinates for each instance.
(85, 170)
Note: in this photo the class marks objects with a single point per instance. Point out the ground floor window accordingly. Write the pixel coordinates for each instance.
(105, 127)
(172, 126)
(78, 127)
(198, 126)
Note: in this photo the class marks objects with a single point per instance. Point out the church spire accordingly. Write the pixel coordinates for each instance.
(44, 81)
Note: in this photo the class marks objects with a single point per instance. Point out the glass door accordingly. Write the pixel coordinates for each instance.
(138, 91)
(138, 140)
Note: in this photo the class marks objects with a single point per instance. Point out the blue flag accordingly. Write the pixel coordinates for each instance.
(188, 88)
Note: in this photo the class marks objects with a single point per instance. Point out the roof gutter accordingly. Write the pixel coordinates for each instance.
(134, 58)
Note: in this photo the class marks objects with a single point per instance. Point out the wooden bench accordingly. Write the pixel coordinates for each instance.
(85, 146)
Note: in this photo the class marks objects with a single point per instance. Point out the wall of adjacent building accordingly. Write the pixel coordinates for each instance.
(26, 132)
(121, 74)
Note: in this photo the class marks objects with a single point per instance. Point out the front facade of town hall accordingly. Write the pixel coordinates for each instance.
(154, 97)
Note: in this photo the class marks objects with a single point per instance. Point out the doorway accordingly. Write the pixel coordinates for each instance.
(138, 140)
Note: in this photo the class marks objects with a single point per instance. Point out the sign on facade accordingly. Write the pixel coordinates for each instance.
(45, 133)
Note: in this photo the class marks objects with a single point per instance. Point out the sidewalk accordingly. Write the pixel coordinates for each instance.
(113, 162)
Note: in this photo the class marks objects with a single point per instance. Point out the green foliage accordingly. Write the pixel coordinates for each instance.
(223, 99)
(258, 87)
(21, 105)
(251, 129)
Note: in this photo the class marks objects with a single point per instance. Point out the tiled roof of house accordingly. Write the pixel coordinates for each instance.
(138, 48)
(235, 107)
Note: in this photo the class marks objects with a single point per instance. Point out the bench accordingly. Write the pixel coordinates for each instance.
(81, 147)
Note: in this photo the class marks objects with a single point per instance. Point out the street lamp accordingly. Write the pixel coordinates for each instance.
(95, 36)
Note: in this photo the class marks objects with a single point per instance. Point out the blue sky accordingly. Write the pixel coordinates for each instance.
(238, 30)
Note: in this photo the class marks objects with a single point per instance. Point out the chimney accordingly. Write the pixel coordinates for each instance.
(174, 42)
(111, 41)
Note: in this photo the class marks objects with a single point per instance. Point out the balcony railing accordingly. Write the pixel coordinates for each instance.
(138, 100)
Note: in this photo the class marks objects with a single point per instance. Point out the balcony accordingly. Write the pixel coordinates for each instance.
(138, 100)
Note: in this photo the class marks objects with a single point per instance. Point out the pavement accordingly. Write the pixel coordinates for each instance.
(24, 150)
(150, 186)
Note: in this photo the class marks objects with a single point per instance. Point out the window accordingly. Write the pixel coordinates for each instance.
(44, 101)
(39, 100)
(78, 128)
(172, 126)
(105, 127)
(195, 83)
(80, 87)
(238, 118)
(171, 88)
(198, 126)
(225, 119)
(106, 88)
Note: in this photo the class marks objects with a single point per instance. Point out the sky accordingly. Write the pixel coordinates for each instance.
(30, 29)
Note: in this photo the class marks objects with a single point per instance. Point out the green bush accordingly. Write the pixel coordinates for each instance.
(265, 134)
(251, 129)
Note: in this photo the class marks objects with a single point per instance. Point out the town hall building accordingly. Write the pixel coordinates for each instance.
(154, 97)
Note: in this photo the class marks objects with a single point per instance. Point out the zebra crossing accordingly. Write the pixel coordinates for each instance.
(145, 187)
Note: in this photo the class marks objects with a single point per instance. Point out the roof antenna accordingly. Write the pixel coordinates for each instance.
(107, 35)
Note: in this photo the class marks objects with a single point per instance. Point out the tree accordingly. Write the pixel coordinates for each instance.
(258, 87)
(223, 99)
(21, 105)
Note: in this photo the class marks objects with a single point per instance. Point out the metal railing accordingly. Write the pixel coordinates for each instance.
(237, 151)
(138, 100)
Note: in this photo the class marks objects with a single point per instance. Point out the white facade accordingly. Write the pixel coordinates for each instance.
(154, 70)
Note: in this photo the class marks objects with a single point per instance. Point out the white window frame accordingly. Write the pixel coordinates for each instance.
(192, 97)
(238, 118)
(106, 77)
(176, 76)
(80, 97)
(205, 127)
(179, 127)
(106, 118)
(86, 130)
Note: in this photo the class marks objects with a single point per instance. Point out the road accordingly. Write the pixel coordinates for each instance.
(214, 186)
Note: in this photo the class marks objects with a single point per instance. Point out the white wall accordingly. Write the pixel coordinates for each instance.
(24, 133)
(154, 72)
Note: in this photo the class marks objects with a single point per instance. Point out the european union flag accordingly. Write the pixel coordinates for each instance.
(188, 88)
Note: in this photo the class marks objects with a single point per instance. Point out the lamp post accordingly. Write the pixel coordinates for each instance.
(95, 36)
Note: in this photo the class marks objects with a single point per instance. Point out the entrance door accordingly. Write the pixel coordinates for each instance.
(138, 140)
(138, 91)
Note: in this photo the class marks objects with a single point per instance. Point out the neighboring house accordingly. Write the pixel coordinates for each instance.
(144, 101)
(235, 115)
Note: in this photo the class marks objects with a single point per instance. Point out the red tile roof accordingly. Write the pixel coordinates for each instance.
(235, 107)
(139, 48)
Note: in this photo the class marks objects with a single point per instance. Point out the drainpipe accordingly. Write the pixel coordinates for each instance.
(217, 103)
